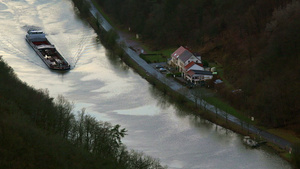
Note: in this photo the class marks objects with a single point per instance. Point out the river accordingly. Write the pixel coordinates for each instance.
(111, 91)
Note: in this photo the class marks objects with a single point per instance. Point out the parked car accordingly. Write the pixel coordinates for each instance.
(162, 69)
(158, 66)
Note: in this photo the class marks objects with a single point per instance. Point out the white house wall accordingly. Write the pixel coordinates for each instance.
(208, 77)
(192, 59)
(195, 67)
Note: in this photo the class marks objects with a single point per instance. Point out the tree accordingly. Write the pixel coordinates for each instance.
(296, 155)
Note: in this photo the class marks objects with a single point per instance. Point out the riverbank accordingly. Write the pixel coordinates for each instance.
(168, 86)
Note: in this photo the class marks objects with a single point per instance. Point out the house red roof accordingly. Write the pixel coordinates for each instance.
(178, 52)
(189, 65)
(200, 64)
(192, 64)
(191, 73)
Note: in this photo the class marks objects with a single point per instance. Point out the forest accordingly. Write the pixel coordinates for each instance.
(37, 131)
(256, 43)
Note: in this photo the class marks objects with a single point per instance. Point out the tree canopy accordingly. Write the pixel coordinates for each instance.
(37, 131)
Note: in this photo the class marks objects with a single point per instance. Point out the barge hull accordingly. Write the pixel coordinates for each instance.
(46, 51)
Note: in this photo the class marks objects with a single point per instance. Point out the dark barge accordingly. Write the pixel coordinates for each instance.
(46, 51)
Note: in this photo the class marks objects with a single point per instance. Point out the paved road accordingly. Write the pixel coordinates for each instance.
(183, 90)
(100, 17)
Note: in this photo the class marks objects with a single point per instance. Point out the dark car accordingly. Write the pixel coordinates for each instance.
(158, 66)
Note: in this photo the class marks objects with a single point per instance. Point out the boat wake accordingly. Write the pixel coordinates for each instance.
(80, 50)
(83, 45)
(9, 47)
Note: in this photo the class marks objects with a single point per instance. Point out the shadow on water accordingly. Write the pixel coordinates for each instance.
(199, 123)
(61, 72)
(31, 27)
(165, 101)
(113, 58)
(115, 61)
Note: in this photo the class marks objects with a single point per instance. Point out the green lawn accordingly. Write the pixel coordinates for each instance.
(220, 71)
(157, 56)
(286, 134)
(153, 58)
(166, 52)
(226, 107)
(161, 55)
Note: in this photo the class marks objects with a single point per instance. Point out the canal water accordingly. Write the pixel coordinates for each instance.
(111, 91)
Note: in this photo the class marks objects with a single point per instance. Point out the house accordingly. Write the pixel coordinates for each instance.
(191, 66)
(185, 58)
(175, 55)
(195, 76)
(182, 57)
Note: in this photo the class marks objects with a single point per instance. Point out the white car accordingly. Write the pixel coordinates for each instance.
(162, 69)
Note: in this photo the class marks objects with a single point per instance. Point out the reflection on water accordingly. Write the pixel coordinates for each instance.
(115, 61)
(110, 90)
(164, 102)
